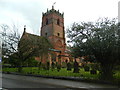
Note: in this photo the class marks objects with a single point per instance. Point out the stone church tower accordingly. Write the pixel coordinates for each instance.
(53, 29)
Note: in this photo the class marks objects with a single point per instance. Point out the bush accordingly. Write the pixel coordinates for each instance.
(58, 67)
(43, 66)
(64, 65)
(53, 65)
(69, 66)
(93, 72)
(86, 68)
(117, 68)
(76, 67)
(82, 65)
(95, 66)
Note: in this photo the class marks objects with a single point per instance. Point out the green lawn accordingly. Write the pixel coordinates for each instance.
(117, 75)
(62, 72)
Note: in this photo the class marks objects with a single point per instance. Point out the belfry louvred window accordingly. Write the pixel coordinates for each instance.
(58, 22)
(46, 21)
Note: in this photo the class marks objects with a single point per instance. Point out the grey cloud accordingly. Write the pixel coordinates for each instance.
(31, 10)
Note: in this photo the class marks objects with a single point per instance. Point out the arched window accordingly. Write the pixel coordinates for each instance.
(45, 34)
(46, 21)
(58, 34)
(58, 22)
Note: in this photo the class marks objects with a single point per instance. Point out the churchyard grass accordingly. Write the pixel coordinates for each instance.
(54, 72)
(62, 72)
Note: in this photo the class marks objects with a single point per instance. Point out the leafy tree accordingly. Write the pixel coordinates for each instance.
(32, 46)
(31, 62)
(19, 51)
(100, 39)
(89, 58)
(13, 60)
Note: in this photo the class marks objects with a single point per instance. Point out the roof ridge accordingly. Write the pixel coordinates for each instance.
(32, 34)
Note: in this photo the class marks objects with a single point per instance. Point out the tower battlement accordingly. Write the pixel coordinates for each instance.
(53, 11)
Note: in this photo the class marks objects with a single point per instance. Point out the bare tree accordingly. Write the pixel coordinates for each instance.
(10, 38)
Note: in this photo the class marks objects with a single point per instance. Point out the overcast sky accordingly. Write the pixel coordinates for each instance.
(29, 12)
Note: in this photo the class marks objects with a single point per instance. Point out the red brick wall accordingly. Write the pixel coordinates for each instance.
(52, 30)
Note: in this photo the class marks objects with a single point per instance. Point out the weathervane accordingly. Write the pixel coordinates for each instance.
(53, 5)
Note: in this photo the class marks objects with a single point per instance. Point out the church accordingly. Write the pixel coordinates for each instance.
(52, 28)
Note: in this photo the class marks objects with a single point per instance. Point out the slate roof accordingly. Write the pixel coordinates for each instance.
(32, 38)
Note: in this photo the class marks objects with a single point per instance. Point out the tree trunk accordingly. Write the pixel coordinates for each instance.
(39, 65)
(20, 67)
(106, 72)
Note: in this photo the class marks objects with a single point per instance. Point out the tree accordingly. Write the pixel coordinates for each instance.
(31, 62)
(20, 50)
(10, 38)
(39, 65)
(13, 60)
(48, 65)
(32, 46)
(99, 39)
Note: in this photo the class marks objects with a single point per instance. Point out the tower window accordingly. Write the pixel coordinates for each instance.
(58, 22)
(45, 34)
(46, 21)
(58, 34)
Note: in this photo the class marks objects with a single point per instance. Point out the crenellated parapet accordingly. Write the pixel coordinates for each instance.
(53, 11)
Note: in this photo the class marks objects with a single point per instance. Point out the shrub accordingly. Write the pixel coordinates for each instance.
(53, 65)
(64, 65)
(43, 66)
(58, 67)
(69, 67)
(93, 72)
(117, 68)
(86, 68)
(95, 66)
(76, 67)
